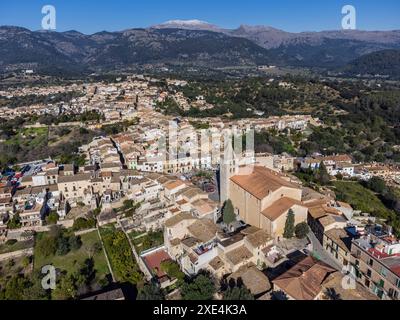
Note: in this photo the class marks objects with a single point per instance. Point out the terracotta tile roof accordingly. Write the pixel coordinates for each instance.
(345, 205)
(154, 260)
(174, 210)
(338, 158)
(174, 242)
(191, 192)
(322, 210)
(203, 229)
(5, 200)
(334, 281)
(326, 221)
(190, 242)
(258, 238)
(204, 207)
(316, 203)
(106, 174)
(178, 218)
(109, 165)
(232, 240)
(249, 230)
(26, 179)
(254, 280)
(261, 182)
(279, 207)
(193, 258)
(74, 178)
(173, 184)
(340, 237)
(216, 263)
(238, 255)
(304, 280)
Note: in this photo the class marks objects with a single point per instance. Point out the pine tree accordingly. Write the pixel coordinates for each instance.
(323, 176)
(228, 213)
(289, 225)
(150, 292)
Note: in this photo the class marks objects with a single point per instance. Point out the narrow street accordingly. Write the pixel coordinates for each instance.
(319, 252)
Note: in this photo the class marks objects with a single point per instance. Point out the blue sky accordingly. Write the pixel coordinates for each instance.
(90, 16)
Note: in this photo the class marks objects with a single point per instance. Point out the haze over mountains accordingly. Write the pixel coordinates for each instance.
(189, 43)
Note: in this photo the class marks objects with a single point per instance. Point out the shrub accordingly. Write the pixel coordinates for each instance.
(82, 223)
(301, 230)
(11, 242)
(52, 218)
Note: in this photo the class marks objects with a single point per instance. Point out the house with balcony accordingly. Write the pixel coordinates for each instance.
(375, 258)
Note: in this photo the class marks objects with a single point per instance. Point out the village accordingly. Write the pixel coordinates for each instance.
(236, 215)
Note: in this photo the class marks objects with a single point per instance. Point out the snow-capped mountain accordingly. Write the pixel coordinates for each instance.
(188, 25)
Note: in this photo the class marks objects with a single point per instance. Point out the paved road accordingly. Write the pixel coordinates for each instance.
(16, 254)
(320, 253)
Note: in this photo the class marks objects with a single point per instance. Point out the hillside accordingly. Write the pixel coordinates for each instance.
(186, 43)
(72, 51)
(385, 63)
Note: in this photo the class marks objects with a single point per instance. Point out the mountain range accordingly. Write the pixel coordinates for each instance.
(188, 43)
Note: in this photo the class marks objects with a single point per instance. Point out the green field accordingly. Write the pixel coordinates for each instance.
(30, 137)
(74, 259)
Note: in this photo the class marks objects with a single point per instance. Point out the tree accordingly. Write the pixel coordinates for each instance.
(228, 213)
(65, 289)
(301, 230)
(11, 242)
(46, 246)
(339, 176)
(15, 222)
(150, 292)
(35, 291)
(200, 288)
(128, 204)
(62, 246)
(377, 184)
(82, 223)
(238, 292)
(14, 288)
(289, 225)
(52, 218)
(172, 269)
(74, 242)
(322, 176)
(121, 256)
(26, 261)
(86, 272)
